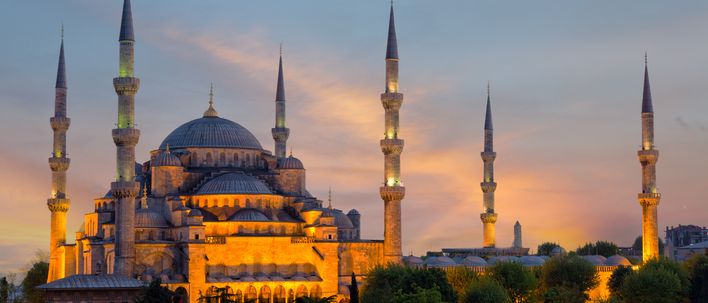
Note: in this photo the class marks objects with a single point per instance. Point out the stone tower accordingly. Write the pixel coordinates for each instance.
(392, 191)
(58, 203)
(649, 197)
(488, 217)
(125, 136)
(517, 236)
(280, 132)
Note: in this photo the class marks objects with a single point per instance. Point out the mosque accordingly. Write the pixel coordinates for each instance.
(212, 208)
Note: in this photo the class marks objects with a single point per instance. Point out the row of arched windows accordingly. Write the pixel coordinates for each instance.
(224, 159)
(236, 202)
(263, 295)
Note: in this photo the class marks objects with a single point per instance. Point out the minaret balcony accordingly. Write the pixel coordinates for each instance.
(648, 156)
(125, 189)
(488, 156)
(280, 133)
(392, 193)
(58, 204)
(489, 218)
(649, 199)
(488, 186)
(59, 123)
(126, 136)
(126, 85)
(392, 146)
(59, 163)
(392, 101)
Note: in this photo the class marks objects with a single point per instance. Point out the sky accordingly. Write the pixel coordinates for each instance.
(566, 87)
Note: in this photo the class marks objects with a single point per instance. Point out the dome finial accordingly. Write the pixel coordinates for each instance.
(329, 197)
(211, 112)
(167, 148)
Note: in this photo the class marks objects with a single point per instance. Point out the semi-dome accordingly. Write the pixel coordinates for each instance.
(211, 131)
(596, 260)
(474, 261)
(234, 183)
(617, 260)
(249, 215)
(291, 163)
(166, 158)
(440, 261)
(147, 218)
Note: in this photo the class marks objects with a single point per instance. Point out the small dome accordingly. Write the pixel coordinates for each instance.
(474, 261)
(166, 158)
(413, 260)
(195, 213)
(341, 220)
(249, 215)
(558, 251)
(617, 260)
(532, 260)
(147, 218)
(353, 212)
(440, 261)
(595, 260)
(498, 259)
(290, 163)
(234, 183)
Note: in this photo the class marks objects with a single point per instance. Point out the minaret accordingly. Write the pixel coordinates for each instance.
(58, 203)
(392, 192)
(125, 136)
(649, 197)
(280, 132)
(517, 235)
(488, 217)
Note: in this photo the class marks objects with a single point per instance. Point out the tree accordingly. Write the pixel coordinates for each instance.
(384, 282)
(638, 245)
(155, 293)
(602, 248)
(4, 290)
(617, 280)
(486, 290)
(675, 268)
(564, 294)
(572, 273)
(546, 248)
(460, 278)
(519, 281)
(420, 295)
(307, 299)
(652, 285)
(36, 276)
(354, 290)
(697, 267)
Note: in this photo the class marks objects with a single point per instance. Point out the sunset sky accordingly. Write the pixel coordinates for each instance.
(566, 82)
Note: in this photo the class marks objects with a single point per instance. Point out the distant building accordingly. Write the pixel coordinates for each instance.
(98, 288)
(683, 240)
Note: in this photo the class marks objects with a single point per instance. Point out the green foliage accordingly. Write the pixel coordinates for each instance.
(354, 290)
(460, 278)
(546, 248)
(486, 290)
(602, 248)
(617, 280)
(155, 293)
(307, 299)
(568, 276)
(697, 267)
(36, 276)
(652, 285)
(638, 245)
(420, 295)
(674, 267)
(564, 294)
(384, 282)
(4, 290)
(518, 280)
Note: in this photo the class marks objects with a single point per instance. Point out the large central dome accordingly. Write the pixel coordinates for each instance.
(210, 131)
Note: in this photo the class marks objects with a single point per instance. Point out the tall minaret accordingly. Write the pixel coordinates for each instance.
(488, 217)
(649, 197)
(392, 192)
(517, 236)
(125, 136)
(58, 203)
(280, 132)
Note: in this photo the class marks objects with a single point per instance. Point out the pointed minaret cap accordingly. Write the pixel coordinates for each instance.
(126, 23)
(211, 112)
(392, 46)
(488, 115)
(61, 70)
(647, 106)
(517, 223)
(280, 91)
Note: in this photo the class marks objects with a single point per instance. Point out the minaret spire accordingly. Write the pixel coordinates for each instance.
(59, 203)
(280, 131)
(392, 191)
(211, 112)
(125, 136)
(488, 217)
(648, 156)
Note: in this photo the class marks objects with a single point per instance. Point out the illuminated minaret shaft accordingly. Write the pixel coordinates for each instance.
(649, 197)
(125, 136)
(392, 192)
(58, 203)
(280, 132)
(488, 217)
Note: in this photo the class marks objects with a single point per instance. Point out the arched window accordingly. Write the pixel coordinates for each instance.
(291, 296)
(222, 159)
(196, 236)
(279, 294)
(209, 160)
(182, 295)
(301, 291)
(235, 159)
(316, 292)
(238, 296)
(251, 294)
(265, 294)
(248, 160)
(195, 159)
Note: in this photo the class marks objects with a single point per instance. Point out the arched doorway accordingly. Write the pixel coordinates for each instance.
(182, 295)
(279, 294)
(251, 294)
(265, 295)
(301, 291)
